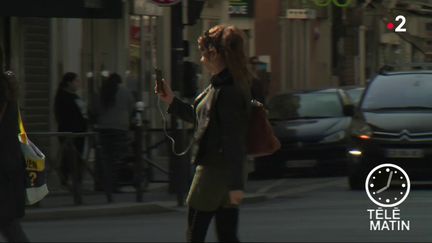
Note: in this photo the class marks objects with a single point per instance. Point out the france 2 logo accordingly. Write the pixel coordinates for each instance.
(400, 28)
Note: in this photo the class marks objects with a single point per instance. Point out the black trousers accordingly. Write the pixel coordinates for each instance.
(114, 149)
(13, 232)
(226, 221)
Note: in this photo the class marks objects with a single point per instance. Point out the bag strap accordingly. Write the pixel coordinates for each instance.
(23, 134)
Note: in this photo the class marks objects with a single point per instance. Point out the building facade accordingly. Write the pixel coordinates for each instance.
(304, 45)
(126, 37)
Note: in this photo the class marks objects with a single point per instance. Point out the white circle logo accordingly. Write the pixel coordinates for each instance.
(387, 185)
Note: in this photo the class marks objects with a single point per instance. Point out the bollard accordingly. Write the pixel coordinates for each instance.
(138, 151)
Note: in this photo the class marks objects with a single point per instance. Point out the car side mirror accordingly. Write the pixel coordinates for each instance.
(349, 110)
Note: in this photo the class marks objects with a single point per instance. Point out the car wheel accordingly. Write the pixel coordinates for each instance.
(356, 181)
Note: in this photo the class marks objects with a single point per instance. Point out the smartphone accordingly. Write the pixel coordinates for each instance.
(159, 80)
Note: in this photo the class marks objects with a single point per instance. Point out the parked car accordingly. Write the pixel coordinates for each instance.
(354, 92)
(394, 125)
(313, 128)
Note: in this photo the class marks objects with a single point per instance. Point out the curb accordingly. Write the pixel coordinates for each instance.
(108, 210)
(118, 209)
(135, 208)
(86, 192)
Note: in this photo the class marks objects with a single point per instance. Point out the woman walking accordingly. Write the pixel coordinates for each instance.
(221, 115)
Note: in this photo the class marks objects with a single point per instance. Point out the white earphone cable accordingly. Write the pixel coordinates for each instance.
(168, 136)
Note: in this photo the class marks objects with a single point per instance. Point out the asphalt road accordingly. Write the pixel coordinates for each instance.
(302, 210)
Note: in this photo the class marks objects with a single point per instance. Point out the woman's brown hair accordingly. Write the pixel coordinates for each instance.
(229, 42)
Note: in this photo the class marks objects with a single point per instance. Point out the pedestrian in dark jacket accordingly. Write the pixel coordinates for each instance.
(12, 164)
(113, 114)
(71, 114)
(221, 115)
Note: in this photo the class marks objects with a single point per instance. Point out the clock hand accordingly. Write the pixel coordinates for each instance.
(388, 184)
(389, 179)
(382, 189)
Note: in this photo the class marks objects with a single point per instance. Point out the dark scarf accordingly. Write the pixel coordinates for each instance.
(222, 78)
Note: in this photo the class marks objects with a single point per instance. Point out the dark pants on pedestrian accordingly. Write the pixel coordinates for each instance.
(13, 232)
(68, 166)
(226, 220)
(114, 149)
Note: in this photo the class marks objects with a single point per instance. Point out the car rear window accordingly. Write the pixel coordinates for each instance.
(399, 91)
(307, 105)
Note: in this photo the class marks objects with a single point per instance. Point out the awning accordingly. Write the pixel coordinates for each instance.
(62, 8)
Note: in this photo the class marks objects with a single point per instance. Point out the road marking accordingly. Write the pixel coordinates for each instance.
(306, 188)
(272, 185)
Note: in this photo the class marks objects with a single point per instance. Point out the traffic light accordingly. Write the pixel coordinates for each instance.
(194, 9)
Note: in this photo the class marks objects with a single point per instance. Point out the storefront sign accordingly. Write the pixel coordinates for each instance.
(301, 13)
(337, 3)
(241, 8)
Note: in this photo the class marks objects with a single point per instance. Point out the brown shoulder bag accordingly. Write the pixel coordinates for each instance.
(261, 140)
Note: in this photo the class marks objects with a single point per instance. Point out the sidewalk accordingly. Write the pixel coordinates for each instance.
(59, 204)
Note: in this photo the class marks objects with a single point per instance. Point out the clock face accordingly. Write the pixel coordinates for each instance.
(387, 185)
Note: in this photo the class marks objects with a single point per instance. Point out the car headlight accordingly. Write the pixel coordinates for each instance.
(363, 132)
(334, 137)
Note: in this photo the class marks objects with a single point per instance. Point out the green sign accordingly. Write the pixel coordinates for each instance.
(338, 3)
(241, 8)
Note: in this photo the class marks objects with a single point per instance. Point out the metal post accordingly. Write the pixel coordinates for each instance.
(92, 63)
(151, 102)
(76, 170)
(284, 56)
(179, 166)
(7, 44)
(308, 67)
(138, 128)
(362, 55)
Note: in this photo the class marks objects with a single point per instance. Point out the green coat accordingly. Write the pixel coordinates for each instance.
(221, 115)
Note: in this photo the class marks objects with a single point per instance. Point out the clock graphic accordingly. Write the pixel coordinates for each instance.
(387, 185)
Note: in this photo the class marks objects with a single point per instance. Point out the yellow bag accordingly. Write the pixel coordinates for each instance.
(36, 187)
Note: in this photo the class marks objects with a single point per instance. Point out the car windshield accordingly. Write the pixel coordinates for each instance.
(399, 92)
(305, 105)
(355, 94)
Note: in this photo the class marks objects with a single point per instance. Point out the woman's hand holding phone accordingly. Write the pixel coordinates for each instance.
(164, 90)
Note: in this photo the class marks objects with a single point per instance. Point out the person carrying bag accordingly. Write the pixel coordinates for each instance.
(220, 151)
(12, 164)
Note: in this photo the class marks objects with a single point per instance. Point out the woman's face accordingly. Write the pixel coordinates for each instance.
(210, 58)
(75, 84)
(205, 60)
